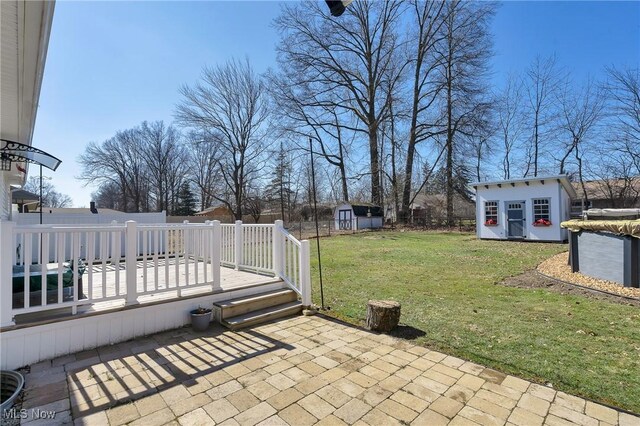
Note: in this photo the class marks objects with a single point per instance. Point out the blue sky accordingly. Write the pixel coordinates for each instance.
(112, 65)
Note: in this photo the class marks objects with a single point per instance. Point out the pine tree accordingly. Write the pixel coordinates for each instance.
(279, 189)
(186, 201)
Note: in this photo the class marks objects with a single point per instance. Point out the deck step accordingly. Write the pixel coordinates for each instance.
(263, 315)
(243, 305)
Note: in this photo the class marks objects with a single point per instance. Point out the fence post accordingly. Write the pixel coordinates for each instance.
(215, 254)
(305, 273)
(130, 261)
(277, 247)
(238, 245)
(7, 247)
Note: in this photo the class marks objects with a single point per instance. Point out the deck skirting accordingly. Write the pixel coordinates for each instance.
(30, 343)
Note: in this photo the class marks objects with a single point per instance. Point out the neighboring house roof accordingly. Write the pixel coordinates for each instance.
(20, 196)
(25, 26)
(74, 210)
(562, 179)
(605, 189)
(211, 211)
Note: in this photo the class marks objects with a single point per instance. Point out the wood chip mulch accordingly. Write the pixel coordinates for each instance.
(557, 267)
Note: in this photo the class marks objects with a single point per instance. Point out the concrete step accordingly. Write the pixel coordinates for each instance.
(263, 315)
(242, 305)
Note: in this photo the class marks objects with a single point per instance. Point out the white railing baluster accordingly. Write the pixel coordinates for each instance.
(305, 273)
(239, 246)
(215, 254)
(131, 248)
(165, 236)
(156, 236)
(186, 242)
(206, 250)
(61, 240)
(44, 260)
(91, 255)
(277, 248)
(27, 269)
(196, 255)
(7, 253)
(75, 256)
(145, 235)
(115, 259)
(176, 259)
(104, 252)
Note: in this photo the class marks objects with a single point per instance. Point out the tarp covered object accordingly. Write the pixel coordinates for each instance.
(619, 227)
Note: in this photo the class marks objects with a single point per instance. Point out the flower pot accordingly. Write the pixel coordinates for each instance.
(200, 321)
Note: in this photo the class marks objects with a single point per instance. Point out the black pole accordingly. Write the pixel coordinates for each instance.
(315, 211)
(41, 259)
(40, 194)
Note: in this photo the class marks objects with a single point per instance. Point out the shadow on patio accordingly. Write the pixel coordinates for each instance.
(111, 376)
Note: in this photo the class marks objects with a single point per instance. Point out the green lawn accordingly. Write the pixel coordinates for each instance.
(446, 284)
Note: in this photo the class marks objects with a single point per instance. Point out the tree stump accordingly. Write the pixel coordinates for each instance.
(382, 315)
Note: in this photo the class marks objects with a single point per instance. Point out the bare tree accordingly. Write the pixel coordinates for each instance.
(463, 53)
(510, 120)
(616, 178)
(117, 160)
(307, 111)
(230, 101)
(107, 196)
(350, 56)
(202, 154)
(623, 92)
(543, 81)
(162, 150)
(423, 63)
(50, 196)
(581, 111)
(482, 130)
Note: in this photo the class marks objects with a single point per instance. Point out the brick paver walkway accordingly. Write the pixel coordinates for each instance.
(298, 371)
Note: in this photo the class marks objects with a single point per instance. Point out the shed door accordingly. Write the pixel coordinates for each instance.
(515, 219)
(344, 220)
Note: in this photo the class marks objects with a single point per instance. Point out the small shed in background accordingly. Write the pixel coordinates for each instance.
(528, 208)
(355, 216)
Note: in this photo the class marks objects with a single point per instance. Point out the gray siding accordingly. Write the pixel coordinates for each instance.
(601, 256)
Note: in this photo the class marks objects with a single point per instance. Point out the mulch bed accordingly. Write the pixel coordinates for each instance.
(534, 280)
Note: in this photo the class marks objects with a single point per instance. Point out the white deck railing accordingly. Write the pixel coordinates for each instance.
(126, 261)
(292, 262)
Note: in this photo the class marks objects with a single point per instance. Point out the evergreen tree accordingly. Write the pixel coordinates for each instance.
(279, 189)
(186, 201)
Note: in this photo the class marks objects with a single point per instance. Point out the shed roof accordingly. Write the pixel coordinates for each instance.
(363, 209)
(562, 179)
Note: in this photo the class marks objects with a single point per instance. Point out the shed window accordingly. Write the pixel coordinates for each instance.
(541, 209)
(490, 212)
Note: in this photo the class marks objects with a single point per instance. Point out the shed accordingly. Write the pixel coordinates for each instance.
(524, 209)
(355, 216)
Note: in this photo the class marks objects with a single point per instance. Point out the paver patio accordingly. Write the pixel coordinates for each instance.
(297, 371)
